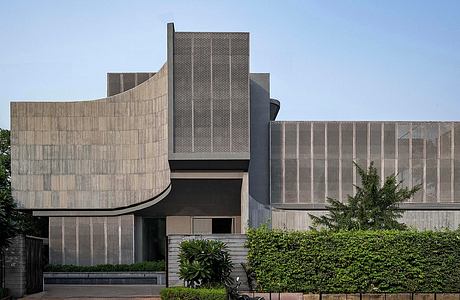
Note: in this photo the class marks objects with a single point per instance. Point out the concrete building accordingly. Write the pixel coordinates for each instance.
(195, 148)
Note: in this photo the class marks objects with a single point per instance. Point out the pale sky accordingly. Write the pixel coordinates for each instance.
(329, 60)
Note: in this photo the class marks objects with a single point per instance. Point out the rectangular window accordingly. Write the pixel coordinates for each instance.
(209, 225)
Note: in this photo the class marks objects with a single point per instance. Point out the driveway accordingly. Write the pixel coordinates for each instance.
(62, 291)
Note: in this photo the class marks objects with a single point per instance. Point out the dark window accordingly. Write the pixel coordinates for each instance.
(154, 238)
(222, 225)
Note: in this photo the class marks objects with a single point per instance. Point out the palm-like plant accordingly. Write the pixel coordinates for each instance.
(373, 207)
(204, 263)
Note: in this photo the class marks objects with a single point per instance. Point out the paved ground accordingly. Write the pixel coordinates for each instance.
(62, 291)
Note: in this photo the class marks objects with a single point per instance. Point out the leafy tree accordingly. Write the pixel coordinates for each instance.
(8, 214)
(373, 207)
(12, 221)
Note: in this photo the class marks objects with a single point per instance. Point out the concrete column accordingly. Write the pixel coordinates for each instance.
(244, 202)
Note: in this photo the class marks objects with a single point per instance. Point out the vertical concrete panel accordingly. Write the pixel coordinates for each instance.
(112, 240)
(127, 239)
(98, 241)
(70, 240)
(55, 240)
(84, 241)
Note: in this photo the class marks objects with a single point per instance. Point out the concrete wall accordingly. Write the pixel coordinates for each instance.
(235, 244)
(423, 220)
(91, 240)
(259, 166)
(108, 153)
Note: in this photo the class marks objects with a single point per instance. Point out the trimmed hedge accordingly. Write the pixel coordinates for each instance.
(355, 261)
(149, 266)
(3, 292)
(183, 293)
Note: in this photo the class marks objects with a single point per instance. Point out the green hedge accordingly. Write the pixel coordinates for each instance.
(355, 261)
(152, 266)
(3, 292)
(182, 293)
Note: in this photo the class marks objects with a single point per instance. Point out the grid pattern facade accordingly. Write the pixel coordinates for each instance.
(211, 92)
(121, 82)
(314, 160)
(107, 153)
(91, 240)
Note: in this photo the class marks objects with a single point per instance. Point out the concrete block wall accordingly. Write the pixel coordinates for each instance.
(107, 153)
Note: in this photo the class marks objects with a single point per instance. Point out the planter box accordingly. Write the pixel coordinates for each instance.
(155, 278)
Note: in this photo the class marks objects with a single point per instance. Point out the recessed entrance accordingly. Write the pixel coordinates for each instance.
(154, 238)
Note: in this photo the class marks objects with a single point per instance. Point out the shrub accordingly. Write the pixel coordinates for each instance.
(151, 266)
(355, 261)
(3, 292)
(204, 263)
(183, 293)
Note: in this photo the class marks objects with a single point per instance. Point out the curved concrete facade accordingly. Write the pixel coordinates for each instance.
(110, 153)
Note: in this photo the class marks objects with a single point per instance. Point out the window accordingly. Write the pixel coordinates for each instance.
(207, 225)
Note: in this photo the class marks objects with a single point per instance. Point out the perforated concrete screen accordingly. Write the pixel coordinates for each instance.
(211, 93)
(314, 160)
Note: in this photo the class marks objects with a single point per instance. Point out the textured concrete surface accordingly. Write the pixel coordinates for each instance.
(107, 153)
(60, 291)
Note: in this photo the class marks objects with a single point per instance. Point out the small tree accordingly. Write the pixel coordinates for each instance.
(204, 263)
(373, 207)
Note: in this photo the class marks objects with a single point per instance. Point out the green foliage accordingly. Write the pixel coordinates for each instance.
(12, 221)
(151, 266)
(373, 207)
(183, 293)
(8, 214)
(355, 261)
(3, 292)
(204, 263)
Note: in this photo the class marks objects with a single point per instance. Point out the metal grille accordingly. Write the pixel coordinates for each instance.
(202, 93)
(128, 81)
(211, 91)
(240, 92)
(290, 136)
(221, 93)
(275, 163)
(113, 84)
(422, 153)
(183, 93)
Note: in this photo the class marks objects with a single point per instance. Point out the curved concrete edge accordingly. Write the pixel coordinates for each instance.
(275, 106)
(112, 212)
